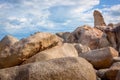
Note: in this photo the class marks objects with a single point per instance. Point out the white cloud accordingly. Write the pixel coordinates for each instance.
(66, 22)
(113, 8)
(4, 6)
(37, 13)
(85, 6)
(46, 24)
(10, 28)
(112, 14)
(84, 12)
(22, 19)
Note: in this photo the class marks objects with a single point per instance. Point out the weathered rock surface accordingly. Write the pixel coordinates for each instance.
(7, 41)
(65, 50)
(109, 73)
(103, 41)
(118, 76)
(81, 48)
(26, 48)
(64, 35)
(113, 71)
(90, 37)
(99, 20)
(102, 74)
(116, 31)
(113, 35)
(116, 59)
(110, 25)
(69, 68)
(101, 58)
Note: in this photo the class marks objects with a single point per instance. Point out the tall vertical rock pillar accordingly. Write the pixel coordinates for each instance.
(99, 20)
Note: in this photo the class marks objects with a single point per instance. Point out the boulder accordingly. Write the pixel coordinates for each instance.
(116, 59)
(116, 31)
(26, 48)
(109, 73)
(64, 36)
(113, 71)
(99, 20)
(103, 41)
(69, 68)
(110, 25)
(7, 41)
(91, 37)
(81, 48)
(65, 50)
(101, 58)
(101, 73)
(111, 37)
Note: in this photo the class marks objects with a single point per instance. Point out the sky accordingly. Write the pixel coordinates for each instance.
(20, 18)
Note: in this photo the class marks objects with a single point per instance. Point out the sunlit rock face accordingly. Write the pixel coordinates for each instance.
(7, 41)
(65, 50)
(69, 68)
(89, 36)
(99, 20)
(26, 48)
(101, 58)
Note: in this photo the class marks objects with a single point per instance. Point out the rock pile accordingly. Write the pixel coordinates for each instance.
(87, 53)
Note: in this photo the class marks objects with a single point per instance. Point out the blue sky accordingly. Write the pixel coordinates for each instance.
(21, 18)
